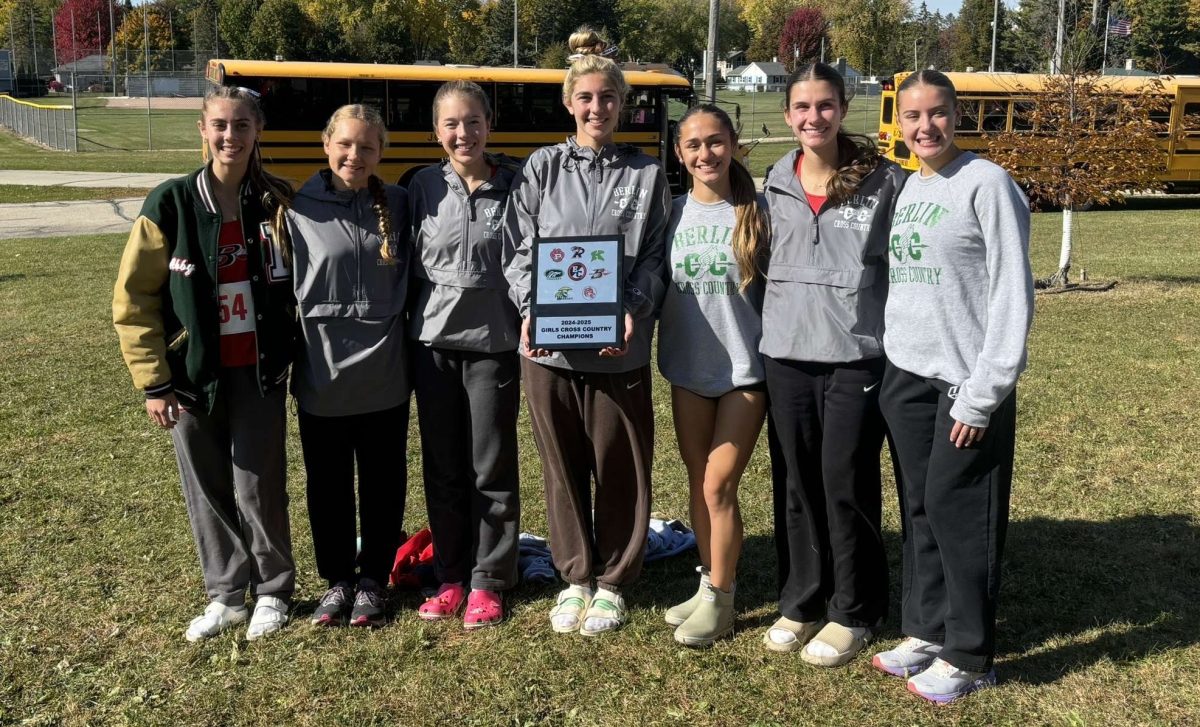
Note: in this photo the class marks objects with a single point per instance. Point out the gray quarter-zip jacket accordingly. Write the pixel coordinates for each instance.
(353, 357)
(461, 297)
(567, 189)
(827, 277)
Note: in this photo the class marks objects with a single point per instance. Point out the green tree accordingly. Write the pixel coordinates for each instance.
(1030, 43)
(279, 28)
(233, 22)
(766, 19)
(464, 34)
(1161, 36)
(973, 36)
(864, 31)
(143, 29)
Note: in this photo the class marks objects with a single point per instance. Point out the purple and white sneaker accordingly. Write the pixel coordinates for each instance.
(943, 682)
(911, 657)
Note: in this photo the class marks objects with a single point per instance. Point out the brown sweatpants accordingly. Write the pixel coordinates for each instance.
(594, 425)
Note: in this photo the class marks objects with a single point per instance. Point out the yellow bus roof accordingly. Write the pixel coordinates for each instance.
(385, 71)
(1005, 83)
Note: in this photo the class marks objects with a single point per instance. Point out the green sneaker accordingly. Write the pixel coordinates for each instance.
(679, 613)
(712, 619)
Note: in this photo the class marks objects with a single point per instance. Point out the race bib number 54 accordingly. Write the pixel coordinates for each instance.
(236, 307)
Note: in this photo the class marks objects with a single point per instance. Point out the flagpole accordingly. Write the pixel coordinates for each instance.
(1107, 21)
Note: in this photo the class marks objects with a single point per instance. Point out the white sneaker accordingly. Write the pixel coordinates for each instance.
(270, 614)
(911, 657)
(216, 618)
(943, 682)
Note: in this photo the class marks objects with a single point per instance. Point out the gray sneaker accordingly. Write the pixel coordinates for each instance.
(370, 606)
(334, 606)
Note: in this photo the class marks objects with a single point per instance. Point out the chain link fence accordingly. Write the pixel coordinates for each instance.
(51, 125)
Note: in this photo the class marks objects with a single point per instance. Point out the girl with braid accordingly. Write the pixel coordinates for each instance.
(350, 234)
(709, 332)
(204, 311)
(831, 204)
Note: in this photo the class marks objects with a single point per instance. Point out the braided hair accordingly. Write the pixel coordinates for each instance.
(379, 202)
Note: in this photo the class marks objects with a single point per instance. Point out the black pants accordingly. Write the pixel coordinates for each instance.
(829, 432)
(332, 446)
(467, 407)
(954, 509)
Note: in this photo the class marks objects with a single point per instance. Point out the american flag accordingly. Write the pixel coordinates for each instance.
(1120, 26)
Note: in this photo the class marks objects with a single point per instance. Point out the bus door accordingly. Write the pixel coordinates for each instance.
(1185, 159)
(675, 102)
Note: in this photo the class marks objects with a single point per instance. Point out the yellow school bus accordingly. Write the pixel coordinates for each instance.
(299, 97)
(991, 103)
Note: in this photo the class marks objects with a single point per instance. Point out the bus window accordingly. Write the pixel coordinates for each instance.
(968, 123)
(1021, 120)
(1106, 117)
(640, 113)
(370, 93)
(531, 107)
(1190, 120)
(1161, 117)
(995, 115)
(300, 103)
(885, 112)
(410, 105)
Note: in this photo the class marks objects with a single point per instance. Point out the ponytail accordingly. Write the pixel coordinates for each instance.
(750, 229)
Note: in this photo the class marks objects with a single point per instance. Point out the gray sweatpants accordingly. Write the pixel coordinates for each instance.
(467, 406)
(233, 467)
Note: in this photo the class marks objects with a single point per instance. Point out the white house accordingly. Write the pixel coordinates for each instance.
(757, 76)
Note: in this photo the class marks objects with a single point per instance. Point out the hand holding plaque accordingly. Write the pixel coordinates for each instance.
(576, 294)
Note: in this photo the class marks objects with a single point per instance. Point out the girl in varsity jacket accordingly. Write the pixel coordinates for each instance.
(591, 410)
(465, 363)
(204, 309)
(958, 313)
(830, 203)
(350, 233)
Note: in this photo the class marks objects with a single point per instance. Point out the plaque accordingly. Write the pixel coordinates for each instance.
(576, 292)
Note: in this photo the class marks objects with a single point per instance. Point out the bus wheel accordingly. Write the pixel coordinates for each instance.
(407, 176)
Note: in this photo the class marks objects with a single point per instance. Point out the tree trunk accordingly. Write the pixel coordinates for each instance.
(1061, 276)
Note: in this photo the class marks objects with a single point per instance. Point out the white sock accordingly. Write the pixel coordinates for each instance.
(567, 620)
(820, 648)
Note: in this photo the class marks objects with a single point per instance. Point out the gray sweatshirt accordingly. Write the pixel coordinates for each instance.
(709, 330)
(567, 189)
(961, 297)
(461, 298)
(351, 301)
(827, 279)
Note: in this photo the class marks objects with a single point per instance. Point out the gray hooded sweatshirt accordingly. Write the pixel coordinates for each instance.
(461, 301)
(961, 301)
(351, 300)
(827, 279)
(567, 189)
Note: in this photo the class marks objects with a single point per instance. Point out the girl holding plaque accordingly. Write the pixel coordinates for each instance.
(590, 408)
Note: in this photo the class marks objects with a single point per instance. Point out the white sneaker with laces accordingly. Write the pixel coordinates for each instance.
(270, 614)
(216, 618)
(943, 682)
(911, 657)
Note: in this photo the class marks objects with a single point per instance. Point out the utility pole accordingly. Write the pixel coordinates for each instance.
(112, 43)
(1056, 62)
(146, 41)
(33, 43)
(515, 62)
(710, 55)
(995, 19)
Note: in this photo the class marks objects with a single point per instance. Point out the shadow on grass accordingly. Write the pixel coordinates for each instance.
(1076, 593)
(1164, 278)
(8, 278)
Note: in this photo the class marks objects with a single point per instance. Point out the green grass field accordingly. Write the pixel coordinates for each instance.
(1099, 619)
(25, 194)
